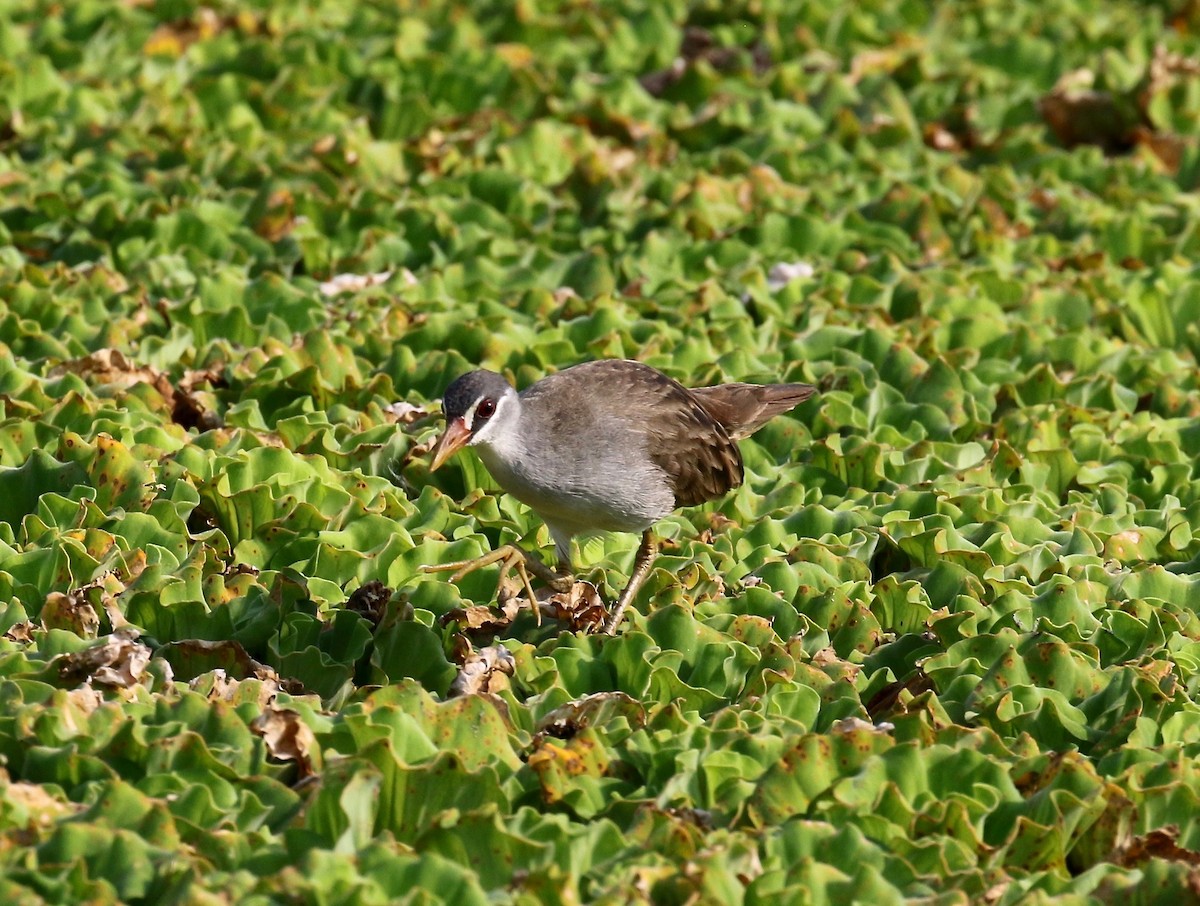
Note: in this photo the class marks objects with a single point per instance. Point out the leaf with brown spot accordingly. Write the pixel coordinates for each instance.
(70, 612)
(278, 218)
(570, 762)
(564, 767)
(191, 658)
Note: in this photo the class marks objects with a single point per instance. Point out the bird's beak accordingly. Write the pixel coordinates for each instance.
(452, 440)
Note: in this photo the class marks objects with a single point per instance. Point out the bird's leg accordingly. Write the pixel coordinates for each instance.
(517, 559)
(509, 556)
(641, 569)
(559, 579)
(509, 553)
(463, 567)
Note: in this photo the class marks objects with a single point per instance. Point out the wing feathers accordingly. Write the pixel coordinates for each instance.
(744, 408)
(691, 435)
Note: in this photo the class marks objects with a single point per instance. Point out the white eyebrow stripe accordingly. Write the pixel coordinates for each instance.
(469, 416)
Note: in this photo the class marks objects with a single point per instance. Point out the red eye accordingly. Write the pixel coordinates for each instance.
(486, 409)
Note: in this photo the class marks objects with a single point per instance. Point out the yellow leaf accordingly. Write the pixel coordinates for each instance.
(518, 56)
(163, 43)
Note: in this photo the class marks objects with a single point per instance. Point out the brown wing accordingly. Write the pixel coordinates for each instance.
(744, 408)
(699, 458)
(697, 454)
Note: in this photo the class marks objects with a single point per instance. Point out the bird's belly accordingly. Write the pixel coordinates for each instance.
(622, 502)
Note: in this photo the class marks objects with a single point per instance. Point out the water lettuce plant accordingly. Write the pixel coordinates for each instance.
(943, 645)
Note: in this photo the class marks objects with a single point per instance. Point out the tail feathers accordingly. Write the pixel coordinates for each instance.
(744, 408)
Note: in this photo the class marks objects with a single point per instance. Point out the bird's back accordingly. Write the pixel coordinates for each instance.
(624, 415)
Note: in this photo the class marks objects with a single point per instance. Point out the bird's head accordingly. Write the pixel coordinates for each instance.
(474, 405)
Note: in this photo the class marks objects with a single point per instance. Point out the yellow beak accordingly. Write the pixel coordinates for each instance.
(453, 439)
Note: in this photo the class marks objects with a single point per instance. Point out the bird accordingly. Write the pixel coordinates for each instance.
(608, 445)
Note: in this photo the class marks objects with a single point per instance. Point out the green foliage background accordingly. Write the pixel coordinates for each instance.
(945, 644)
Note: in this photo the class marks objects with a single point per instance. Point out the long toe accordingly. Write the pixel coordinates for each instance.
(507, 556)
(461, 567)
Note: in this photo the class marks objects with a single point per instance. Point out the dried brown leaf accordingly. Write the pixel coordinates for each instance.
(226, 655)
(1167, 147)
(485, 671)
(1160, 843)
(517, 56)
(717, 524)
(217, 685)
(171, 39)
(1077, 113)
(1081, 261)
(996, 892)
(483, 619)
(349, 283)
(21, 633)
(279, 218)
(119, 661)
(1088, 117)
(699, 45)
(405, 413)
(370, 601)
(581, 608)
(288, 738)
(86, 698)
(1164, 70)
(39, 807)
(938, 137)
(828, 661)
(878, 60)
(567, 720)
(112, 367)
(893, 697)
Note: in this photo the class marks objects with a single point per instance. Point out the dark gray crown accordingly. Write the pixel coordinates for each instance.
(469, 389)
